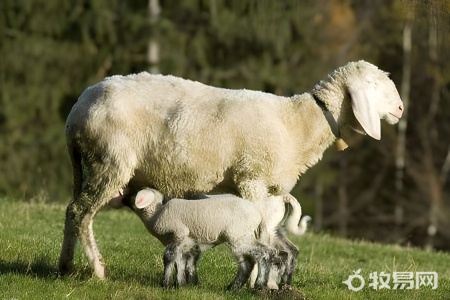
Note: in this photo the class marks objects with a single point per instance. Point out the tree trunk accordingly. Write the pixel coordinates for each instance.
(434, 184)
(343, 199)
(402, 126)
(318, 211)
(154, 10)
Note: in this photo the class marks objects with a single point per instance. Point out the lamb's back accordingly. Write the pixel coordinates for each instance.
(209, 220)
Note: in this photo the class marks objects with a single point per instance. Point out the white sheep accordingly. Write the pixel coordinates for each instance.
(185, 138)
(189, 227)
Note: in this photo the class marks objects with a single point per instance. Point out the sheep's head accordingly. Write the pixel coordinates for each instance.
(373, 97)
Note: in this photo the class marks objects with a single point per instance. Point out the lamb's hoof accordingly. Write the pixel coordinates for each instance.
(233, 287)
(165, 285)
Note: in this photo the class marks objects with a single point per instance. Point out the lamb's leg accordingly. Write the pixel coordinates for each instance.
(290, 260)
(263, 256)
(180, 261)
(169, 262)
(248, 253)
(192, 258)
(245, 265)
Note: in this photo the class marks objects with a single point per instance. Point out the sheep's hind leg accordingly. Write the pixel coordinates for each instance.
(70, 235)
(69, 242)
(94, 195)
(83, 220)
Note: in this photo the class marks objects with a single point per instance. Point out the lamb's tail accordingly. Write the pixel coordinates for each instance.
(262, 234)
(294, 223)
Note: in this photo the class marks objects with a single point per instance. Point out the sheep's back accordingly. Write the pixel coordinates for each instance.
(180, 136)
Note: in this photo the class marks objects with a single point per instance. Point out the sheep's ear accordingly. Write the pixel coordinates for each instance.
(144, 198)
(364, 108)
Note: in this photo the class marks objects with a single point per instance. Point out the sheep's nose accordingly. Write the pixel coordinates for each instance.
(399, 112)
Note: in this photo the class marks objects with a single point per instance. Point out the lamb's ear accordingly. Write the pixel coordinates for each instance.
(364, 109)
(144, 198)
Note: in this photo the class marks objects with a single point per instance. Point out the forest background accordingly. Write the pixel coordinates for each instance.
(395, 190)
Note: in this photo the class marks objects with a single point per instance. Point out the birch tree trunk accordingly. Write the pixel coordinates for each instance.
(402, 126)
(434, 184)
(154, 10)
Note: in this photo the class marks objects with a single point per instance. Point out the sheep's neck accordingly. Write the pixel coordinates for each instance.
(328, 116)
(329, 95)
(312, 139)
(340, 144)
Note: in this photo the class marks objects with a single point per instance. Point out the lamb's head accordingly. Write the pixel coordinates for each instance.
(146, 202)
(368, 96)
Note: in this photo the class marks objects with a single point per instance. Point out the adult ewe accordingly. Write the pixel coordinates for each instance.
(185, 138)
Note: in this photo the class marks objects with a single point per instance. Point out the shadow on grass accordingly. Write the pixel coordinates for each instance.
(41, 267)
(144, 279)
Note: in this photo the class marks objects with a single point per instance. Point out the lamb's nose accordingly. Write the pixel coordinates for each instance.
(400, 107)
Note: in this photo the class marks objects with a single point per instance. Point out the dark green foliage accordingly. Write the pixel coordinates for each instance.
(50, 51)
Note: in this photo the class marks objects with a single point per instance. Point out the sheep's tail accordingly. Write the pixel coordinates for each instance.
(75, 158)
(294, 223)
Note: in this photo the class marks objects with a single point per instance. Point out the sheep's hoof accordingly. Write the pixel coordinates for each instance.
(64, 269)
(100, 273)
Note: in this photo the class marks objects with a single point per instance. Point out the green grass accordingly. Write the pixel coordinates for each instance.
(31, 235)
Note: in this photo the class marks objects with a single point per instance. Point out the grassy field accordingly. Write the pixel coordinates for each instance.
(31, 234)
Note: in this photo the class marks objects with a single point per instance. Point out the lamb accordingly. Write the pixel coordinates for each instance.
(189, 227)
(285, 214)
(285, 218)
(185, 138)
